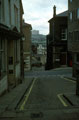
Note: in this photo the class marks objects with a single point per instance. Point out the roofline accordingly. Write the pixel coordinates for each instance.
(58, 16)
(22, 6)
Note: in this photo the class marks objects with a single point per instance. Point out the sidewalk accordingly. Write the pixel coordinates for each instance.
(69, 76)
(10, 100)
(72, 98)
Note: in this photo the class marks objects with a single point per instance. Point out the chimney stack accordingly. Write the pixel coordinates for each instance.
(54, 11)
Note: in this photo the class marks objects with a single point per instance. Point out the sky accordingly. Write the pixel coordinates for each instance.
(38, 12)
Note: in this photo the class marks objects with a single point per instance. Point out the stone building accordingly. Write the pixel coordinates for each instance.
(57, 40)
(10, 36)
(27, 46)
(73, 33)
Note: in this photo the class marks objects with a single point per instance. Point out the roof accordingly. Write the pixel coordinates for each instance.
(27, 25)
(63, 14)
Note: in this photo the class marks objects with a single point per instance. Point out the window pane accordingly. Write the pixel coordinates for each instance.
(78, 13)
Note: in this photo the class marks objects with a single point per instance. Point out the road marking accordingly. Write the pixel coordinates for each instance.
(62, 101)
(68, 79)
(27, 95)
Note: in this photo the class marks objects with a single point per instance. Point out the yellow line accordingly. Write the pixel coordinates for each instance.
(27, 95)
(68, 80)
(62, 101)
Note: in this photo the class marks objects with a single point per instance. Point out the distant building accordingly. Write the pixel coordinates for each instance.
(37, 40)
(10, 36)
(39, 47)
(73, 34)
(57, 54)
(27, 45)
(35, 32)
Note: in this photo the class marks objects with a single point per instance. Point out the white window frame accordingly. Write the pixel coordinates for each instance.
(70, 15)
(64, 33)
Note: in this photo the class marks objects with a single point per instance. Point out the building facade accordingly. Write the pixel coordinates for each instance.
(57, 40)
(27, 46)
(73, 33)
(10, 36)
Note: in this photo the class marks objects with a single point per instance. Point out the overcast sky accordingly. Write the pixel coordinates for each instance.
(38, 12)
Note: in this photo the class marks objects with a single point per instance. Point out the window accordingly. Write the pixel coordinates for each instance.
(16, 16)
(10, 60)
(2, 58)
(3, 11)
(70, 16)
(9, 11)
(77, 13)
(70, 0)
(0, 10)
(64, 34)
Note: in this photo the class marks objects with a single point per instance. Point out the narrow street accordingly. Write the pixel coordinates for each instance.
(45, 98)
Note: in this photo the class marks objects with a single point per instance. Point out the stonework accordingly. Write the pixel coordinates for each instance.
(10, 28)
(73, 32)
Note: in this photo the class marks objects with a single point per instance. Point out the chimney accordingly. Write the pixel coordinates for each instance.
(54, 11)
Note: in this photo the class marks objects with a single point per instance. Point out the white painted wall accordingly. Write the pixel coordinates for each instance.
(18, 70)
(6, 13)
(6, 21)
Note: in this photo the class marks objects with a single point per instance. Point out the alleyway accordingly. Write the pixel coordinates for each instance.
(45, 98)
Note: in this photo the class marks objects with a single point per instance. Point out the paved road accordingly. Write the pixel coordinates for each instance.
(44, 100)
(42, 73)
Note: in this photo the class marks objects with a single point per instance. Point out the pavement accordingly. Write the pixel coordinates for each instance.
(72, 98)
(69, 76)
(10, 100)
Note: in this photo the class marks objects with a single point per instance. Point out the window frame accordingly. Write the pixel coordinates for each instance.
(64, 33)
(77, 13)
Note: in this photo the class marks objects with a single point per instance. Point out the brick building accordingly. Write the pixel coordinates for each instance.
(27, 45)
(57, 40)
